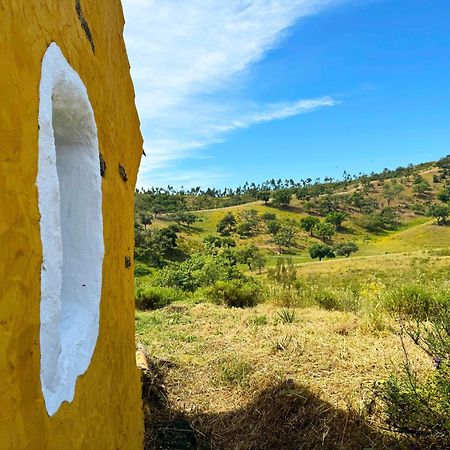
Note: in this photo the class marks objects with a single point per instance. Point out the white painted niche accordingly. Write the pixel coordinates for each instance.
(70, 204)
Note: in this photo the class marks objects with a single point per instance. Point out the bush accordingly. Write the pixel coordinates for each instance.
(141, 269)
(235, 293)
(197, 271)
(415, 301)
(154, 297)
(338, 299)
(268, 216)
(421, 406)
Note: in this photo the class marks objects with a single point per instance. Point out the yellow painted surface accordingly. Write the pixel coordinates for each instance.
(106, 411)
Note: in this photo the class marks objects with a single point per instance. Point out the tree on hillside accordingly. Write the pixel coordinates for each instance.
(392, 191)
(321, 251)
(327, 204)
(267, 216)
(157, 209)
(145, 218)
(345, 248)
(214, 243)
(227, 225)
(273, 226)
(282, 197)
(336, 218)
(189, 218)
(250, 215)
(284, 236)
(421, 187)
(440, 213)
(264, 196)
(245, 229)
(308, 223)
(184, 217)
(324, 231)
(252, 257)
(444, 196)
(152, 246)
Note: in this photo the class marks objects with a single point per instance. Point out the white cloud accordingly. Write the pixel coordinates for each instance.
(189, 59)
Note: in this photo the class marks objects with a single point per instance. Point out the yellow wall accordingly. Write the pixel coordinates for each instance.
(106, 411)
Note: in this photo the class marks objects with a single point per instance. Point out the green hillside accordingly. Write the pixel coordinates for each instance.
(412, 228)
(255, 344)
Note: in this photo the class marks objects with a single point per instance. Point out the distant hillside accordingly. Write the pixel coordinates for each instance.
(393, 211)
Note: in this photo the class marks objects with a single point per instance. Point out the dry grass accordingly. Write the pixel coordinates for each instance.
(246, 380)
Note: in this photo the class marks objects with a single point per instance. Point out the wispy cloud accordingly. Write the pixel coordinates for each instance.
(189, 59)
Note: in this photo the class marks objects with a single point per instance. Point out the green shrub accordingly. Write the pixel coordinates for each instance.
(284, 296)
(337, 299)
(267, 216)
(286, 315)
(235, 293)
(198, 271)
(415, 301)
(154, 297)
(141, 269)
(420, 406)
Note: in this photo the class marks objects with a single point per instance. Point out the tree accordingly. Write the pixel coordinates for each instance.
(252, 257)
(184, 217)
(188, 218)
(259, 262)
(282, 197)
(389, 217)
(284, 236)
(264, 196)
(422, 188)
(273, 226)
(336, 218)
(440, 213)
(308, 223)
(324, 231)
(152, 245)
(321, 251)
(268, 216)
(245, 229)
(145, 218)
(167, 238)
(345, 248)
(227, 225)
(444, 196)
(214, 243)
(157, 209)
(392, 191)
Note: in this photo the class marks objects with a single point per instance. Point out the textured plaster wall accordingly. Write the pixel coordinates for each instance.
(106, 410)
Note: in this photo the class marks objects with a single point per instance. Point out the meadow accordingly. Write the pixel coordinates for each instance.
(293, 353)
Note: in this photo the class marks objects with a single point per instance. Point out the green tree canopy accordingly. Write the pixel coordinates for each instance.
(336, 218)
(321, 251)
(324, 231)
(345, 248)
(308, 223)
(227, 225)
(282, 197)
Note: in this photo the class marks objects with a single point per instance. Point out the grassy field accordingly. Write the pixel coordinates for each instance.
(270, 377)
(301, 369)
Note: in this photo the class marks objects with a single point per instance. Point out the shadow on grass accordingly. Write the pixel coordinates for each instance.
(284, 416)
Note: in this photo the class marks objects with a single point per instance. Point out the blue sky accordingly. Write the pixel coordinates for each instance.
(248, 90)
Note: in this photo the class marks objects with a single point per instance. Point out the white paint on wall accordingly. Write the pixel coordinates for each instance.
(70, 204)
